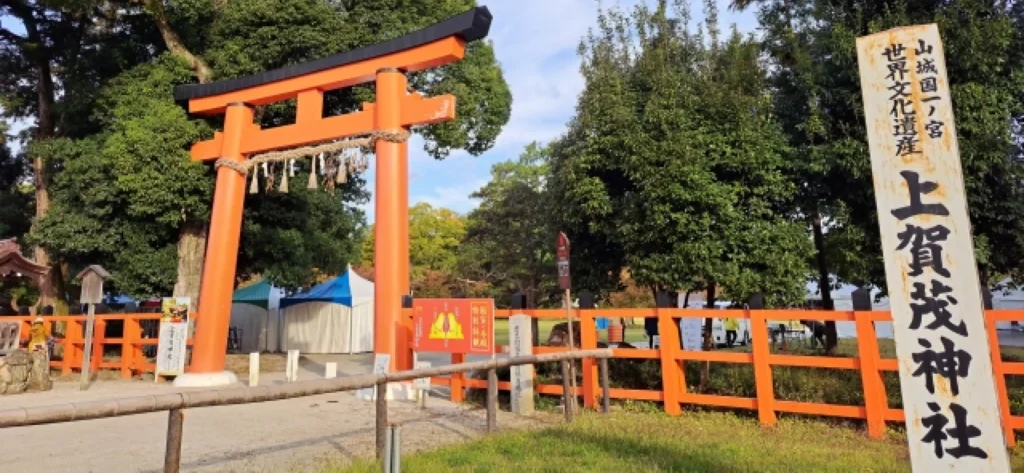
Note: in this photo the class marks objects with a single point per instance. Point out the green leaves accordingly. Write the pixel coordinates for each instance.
(511, 237)
(816, 83)
(673, 164)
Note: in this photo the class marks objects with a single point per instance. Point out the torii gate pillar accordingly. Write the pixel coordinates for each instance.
(395, 110)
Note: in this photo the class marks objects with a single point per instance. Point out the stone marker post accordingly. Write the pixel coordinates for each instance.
(946, 375)
(520, 335)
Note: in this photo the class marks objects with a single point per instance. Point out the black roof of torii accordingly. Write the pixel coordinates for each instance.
(470, 25)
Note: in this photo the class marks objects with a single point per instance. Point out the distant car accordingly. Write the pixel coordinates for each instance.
(718, 326)
(718, 332)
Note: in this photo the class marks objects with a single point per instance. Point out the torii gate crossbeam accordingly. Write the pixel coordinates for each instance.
(394, 111)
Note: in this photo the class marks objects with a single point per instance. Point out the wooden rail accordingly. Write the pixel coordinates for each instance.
(176, 403)
(674, 395)
(131, 360)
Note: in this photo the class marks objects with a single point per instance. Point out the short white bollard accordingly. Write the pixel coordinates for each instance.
(330, 370)
(291, 373)
(254, 369)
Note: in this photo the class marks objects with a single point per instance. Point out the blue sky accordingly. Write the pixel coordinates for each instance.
(535, 41)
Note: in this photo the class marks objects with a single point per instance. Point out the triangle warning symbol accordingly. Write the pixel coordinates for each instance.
(445, 327)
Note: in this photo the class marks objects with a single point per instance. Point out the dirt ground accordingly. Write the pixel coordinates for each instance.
(295, 435)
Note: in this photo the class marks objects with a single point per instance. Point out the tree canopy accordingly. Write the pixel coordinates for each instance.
(674, 162)
(110, 146)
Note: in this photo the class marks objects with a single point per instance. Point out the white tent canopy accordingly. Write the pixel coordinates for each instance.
(255, 315)
(333, 317)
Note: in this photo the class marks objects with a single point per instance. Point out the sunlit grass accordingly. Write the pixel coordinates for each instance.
(697, 442)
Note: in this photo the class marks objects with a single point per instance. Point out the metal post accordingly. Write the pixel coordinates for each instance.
(385, 457)
(567, 393)
(396, 449)
(606, 397)
(90, 324)
(172, 455)
(492, 400)
(382, 419)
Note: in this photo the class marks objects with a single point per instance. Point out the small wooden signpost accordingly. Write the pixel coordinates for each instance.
(565, 283)
(946, 376)
(92, 294)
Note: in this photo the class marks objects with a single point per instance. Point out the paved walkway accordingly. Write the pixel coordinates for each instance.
(294, 435)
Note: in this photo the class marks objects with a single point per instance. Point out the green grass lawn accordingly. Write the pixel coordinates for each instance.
(697, 442)
(634, 333)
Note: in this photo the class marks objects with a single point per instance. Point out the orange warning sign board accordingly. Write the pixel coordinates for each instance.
(454, 325)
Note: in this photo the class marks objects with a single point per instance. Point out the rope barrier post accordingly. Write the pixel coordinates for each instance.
(606, 397)
(396, 449)
(492, 400)
(172, 454)
(382, 418)
(386, 456)
(567, 394)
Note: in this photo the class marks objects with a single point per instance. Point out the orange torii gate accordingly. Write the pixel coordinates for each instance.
(386, 122)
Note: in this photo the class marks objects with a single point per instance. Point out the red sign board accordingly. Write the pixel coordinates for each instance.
(562, 255)
(454, 325)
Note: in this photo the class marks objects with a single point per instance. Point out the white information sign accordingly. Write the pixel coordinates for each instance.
(692, 333)
(422, 384)
(946, 376)
(170, 350)
(381, 363)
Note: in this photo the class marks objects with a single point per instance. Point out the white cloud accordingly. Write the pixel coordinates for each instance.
(455, 197)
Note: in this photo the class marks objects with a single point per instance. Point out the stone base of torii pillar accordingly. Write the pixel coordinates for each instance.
(205, 380)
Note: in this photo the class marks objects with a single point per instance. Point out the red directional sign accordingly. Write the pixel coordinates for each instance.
(454, 325)
(562, 256)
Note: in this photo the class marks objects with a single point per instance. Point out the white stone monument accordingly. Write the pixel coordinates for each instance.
(520, 338)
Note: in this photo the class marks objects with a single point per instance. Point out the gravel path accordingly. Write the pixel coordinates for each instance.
(294, 435)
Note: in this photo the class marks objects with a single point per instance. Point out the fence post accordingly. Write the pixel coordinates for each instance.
(606, 392)
(72, 334)
(381, 426)
(762, 368)
(588, 341)
(672, 379)
(129, 335)
(458, 380)
(567, 394)
(492, 400)
(175, 427)
(875, 401)
(997, 368)
(97, 347)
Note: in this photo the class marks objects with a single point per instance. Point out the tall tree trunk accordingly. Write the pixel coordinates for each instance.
(705, 373)
(52, 290)
(831, 335)
(192, 235)
(191, 252)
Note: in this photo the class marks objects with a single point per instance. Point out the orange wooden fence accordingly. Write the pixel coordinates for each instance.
(131, 360)
(876, 411)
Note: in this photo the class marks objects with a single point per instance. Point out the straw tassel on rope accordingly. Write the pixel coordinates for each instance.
(284, 179)
(350, 160)
(312, 174)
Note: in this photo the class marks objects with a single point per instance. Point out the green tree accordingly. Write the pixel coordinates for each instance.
(52, 69)
(285, 236)
(812, 47)
(511, 238)
(434, 238)
(15, 197)
(674, 157)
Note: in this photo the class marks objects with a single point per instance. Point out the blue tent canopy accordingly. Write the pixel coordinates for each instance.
(338, 290)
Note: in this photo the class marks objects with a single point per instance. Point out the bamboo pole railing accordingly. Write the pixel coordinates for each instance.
(176, 403)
